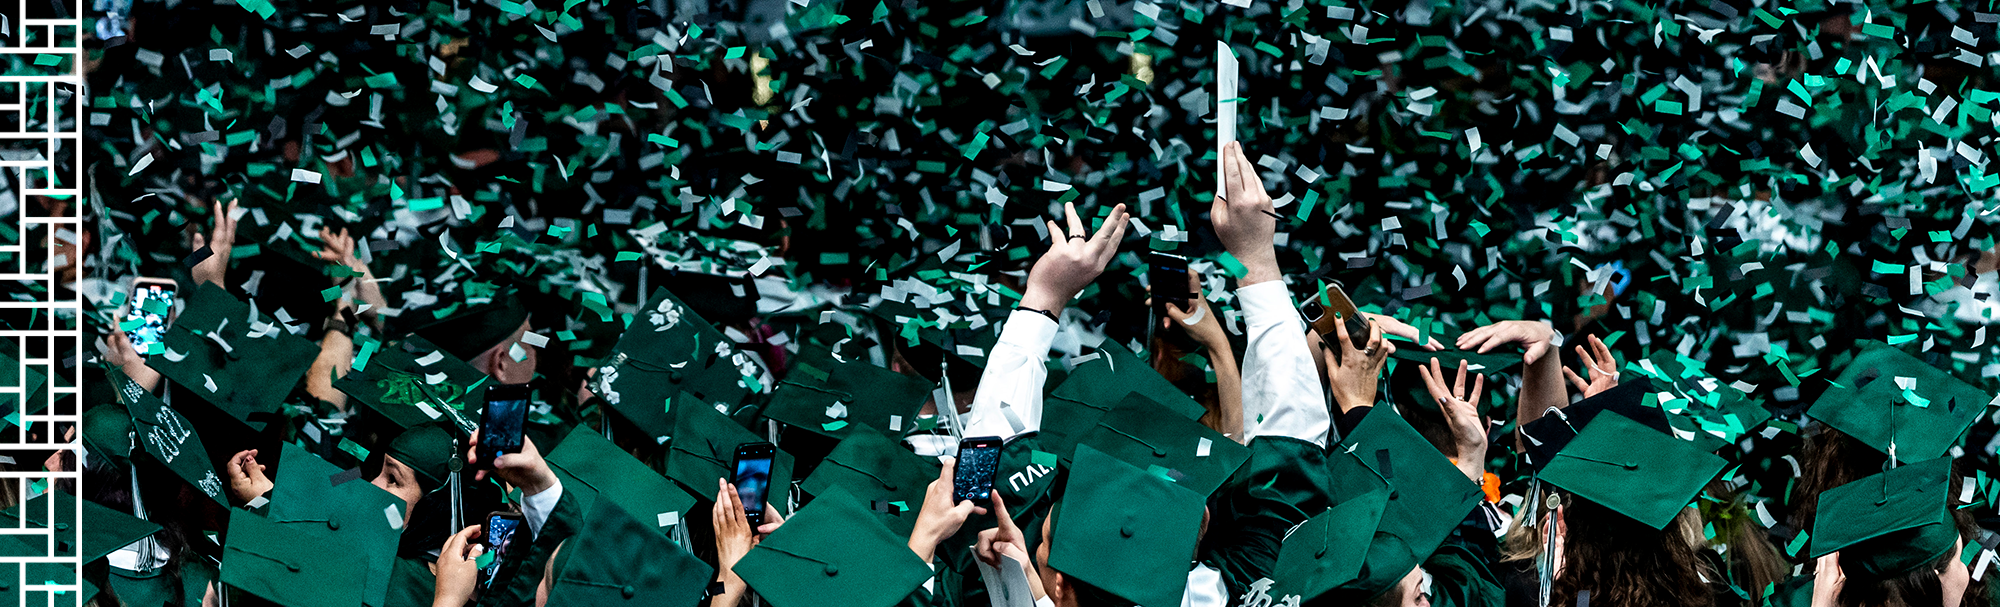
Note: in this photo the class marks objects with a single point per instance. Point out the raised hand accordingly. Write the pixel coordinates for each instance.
(221, 237)
(1074, 259)
(1355, 375)
(1198, 319)
(1534, 337)
(940, 518)
(246, 477)
(1603, 368)
(458, 568)
(1243, 217)
(1461, 413)
(525, 469)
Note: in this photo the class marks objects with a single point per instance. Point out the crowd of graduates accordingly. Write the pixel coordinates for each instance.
(1349, 468)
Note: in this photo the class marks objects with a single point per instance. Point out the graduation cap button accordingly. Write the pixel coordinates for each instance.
(831, 570)
(333, 524)
(628, 591)
(1125, 531)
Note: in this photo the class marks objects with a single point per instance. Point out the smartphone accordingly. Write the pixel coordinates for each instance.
(1336, 308)
(753, 478)
(1167, 275)
(978, 461)
(500, 424)
(499, 537)
(148, 313)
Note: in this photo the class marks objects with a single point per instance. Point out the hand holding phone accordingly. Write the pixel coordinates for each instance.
(1338, 308)
(499, 537)
(1167, 277)
(978, 462)
(753, 478)
(148, 313)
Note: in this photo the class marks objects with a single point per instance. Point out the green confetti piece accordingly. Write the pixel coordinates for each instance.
(1043, 458)
(526, 81)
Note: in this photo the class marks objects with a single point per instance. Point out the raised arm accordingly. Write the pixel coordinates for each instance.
(1009, 400)
(1280, 380)
(1205, 328)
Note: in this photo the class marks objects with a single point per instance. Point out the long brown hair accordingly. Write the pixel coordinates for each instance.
(1920, 588)
(1832, 458)
(1624, 563)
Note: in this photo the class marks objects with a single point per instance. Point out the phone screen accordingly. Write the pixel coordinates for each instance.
(753, 479)
(500, 424)
(1167, 276)
(978, 461)
(145, 320)
(500, 528)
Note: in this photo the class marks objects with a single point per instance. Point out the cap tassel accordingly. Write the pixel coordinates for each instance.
(1545, 564)
(457, 521)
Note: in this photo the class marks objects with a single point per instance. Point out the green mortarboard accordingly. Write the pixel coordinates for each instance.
(30, 380)
(704, 450)
(834, 548)
(316, 510)
(1327, 552)
(615, 559)
(1502, 360)
(104, 530)
(1632, 469)
(167, 436)
(592, 467)
(1554, 430)
(1147, 434)
(412, 383)
(1123, 530)
(1428, 496)
(881, 473)
(825, 396)
(475, 324)
(1906, 404)
(428, 450)
(667, 360)
(107, 433)
(210, 351)
(1888, 524)
(1103, 382)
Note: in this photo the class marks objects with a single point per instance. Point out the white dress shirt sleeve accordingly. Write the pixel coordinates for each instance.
(536, 508)
(1009, 400)
(1204, 588)
(1279, 377)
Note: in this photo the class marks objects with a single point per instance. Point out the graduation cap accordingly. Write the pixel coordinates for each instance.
(1504, 360)
(1145, 433)
(722, 299)
(287, 556)
(1328, 552)
(166, 436)
(1632, 469)
(879, 471)
(1428, 495)
(1549, 434)
(428, 451)
(703, 452)
(834, 549)
(411, 382)
(591, 467)
(484, 315)
(615, 559)
(670, 359)
(1103, 382)
(825, 395)
(241, 362)
(1899, 405)
(1890, 523)
(104, 531)
(107, 433)
(1123, 530)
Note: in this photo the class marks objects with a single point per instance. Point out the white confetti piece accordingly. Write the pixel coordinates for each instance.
(306, 176)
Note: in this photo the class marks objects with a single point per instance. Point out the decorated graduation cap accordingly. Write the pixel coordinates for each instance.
(1633, 469)
(615, 559)
(411, 382)
(316, 510)
(1428, 495)
(1899, 405)
(1124, 530)
(704, 449)
(1554, 429)
(834, 547)
(1328, 552)
(481, 316)
(166, 436)
(825, 395)
(591, 468)
(240, 361)
(881, 473)
(1104, 381)
(668, 360)
(1888, 524)
(1145, 433)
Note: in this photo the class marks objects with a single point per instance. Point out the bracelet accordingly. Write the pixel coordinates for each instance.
(1051, 315)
